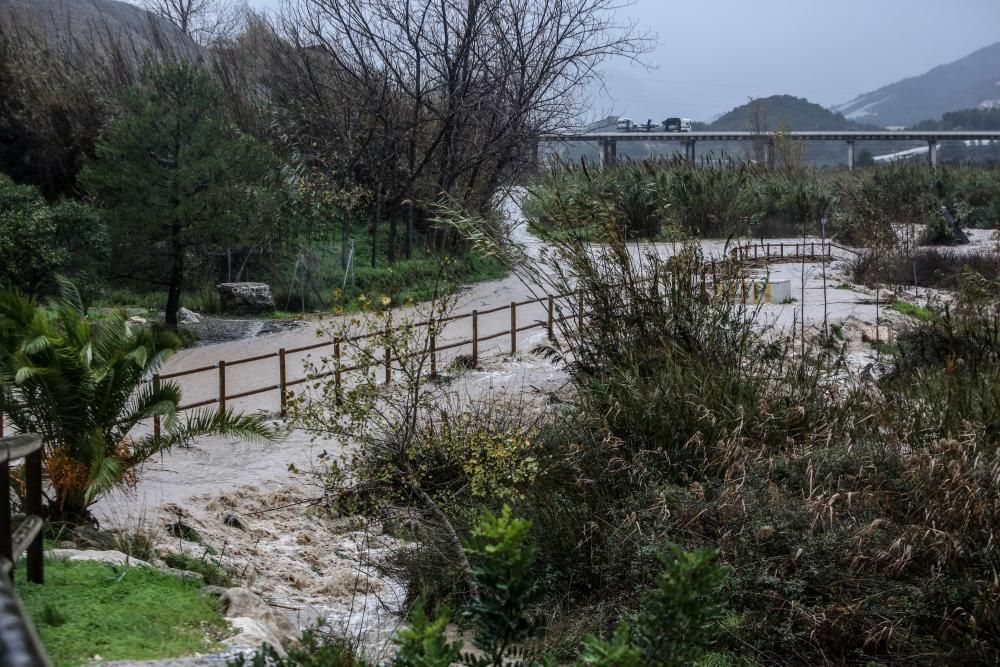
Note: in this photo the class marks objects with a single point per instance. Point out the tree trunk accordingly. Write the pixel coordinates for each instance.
(408, 241)
(345, 240)
(393, 235)
(176, 279)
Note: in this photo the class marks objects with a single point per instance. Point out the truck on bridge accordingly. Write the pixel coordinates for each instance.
(669, 125)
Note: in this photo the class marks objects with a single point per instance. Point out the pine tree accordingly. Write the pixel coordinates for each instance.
(177, 179)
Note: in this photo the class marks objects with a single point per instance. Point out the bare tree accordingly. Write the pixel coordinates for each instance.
(205, 21)
(430, 101)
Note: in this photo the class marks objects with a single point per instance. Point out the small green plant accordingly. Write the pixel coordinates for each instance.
(502, 557)
(423, 643)
(919, 312)
(679, 618)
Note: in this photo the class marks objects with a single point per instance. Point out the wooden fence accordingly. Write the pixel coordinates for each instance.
(20, 533)
(336, 346)
(769, 252)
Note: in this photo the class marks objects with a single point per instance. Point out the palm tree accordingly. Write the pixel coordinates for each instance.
(84, 385)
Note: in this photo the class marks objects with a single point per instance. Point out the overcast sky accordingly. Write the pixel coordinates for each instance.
(714, 54)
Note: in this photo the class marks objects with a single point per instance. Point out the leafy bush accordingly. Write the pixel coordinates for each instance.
(40, 240)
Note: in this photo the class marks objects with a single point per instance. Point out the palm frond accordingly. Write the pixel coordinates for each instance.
(229, 424)
(70, 295)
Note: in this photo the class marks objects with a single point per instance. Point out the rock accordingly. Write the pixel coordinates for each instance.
(135, 319)
(185, 316)
(186, 575)
(88, 537)
(233, 521)
(246, 297)
(183, 531)
(253, 633)
(110, 557)
(67, 544)
(241, 603)
(217, 591)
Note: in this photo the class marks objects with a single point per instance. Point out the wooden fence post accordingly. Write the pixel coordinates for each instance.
(337, 388)
(579, 315)
(6, 543)
(551, 316)
(475, 338)
(513, 327)
(222, 385)
(156, 418)
(33, 507)
(282, 383)
(433, 342)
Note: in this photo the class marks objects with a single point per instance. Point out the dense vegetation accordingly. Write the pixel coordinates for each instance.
(855, 515)
(650, 199)
(264, 153)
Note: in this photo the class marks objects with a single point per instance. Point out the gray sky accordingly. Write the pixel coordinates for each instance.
(714, 54)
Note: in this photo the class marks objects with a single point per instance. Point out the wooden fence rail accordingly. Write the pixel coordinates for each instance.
(221, 369)
(20, 533)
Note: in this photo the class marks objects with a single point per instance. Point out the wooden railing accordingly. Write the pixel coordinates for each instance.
(20, 534)
(806, 250)
(284, 382)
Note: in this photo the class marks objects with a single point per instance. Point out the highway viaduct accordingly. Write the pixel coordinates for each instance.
(608, 141)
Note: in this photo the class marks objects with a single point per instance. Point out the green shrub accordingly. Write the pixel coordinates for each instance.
(39, 240)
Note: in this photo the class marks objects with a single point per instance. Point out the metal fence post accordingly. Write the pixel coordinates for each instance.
(513, 327)
(282, 383)
(222, 385)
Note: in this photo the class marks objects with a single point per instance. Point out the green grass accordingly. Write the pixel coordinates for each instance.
(209, 568)
(85, 609)
(913, 310)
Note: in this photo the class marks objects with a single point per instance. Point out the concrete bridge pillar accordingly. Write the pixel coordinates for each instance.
(769, 153)
(609, 152)
(689, 153)
(932, 148)
(850, 155)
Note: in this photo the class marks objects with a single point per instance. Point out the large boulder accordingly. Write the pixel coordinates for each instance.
(247, 298)
(262, 624)
(111, 557)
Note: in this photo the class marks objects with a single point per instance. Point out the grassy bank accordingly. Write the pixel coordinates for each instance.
(87, 609)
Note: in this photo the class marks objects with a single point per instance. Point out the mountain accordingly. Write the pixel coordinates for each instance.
(796, 112)
(94, 25)
(973, 81)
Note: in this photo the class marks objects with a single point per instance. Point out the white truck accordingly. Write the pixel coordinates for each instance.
(677, 125)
